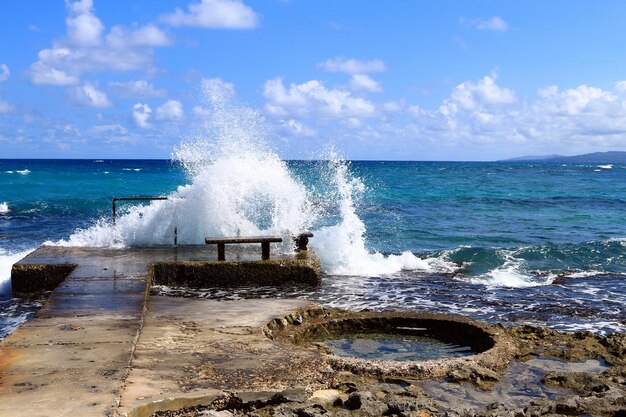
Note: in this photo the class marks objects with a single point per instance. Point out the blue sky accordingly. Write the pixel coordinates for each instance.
(445, 80)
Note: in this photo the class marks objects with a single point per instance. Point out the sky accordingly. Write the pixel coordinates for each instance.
(377, 80)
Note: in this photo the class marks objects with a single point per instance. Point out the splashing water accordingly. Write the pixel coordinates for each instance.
(239, 186)
(342, 248)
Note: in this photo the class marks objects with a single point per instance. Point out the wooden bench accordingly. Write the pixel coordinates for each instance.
(222, 241)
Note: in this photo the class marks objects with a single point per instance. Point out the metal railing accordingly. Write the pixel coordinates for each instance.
(116, 199)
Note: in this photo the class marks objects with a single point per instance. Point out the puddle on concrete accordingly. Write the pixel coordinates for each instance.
(377, 346)
(521, 384)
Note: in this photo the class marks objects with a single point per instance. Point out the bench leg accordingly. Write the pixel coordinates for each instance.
(221, 252)
(265, 250)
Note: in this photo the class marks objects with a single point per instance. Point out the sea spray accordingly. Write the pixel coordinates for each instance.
(240, 186)
(7, 259)
(342, 247)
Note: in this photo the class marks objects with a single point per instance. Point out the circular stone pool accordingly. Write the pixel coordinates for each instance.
(395, 343)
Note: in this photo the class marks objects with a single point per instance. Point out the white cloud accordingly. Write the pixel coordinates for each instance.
(471, 96)
(5, 72)
(89, 96)
(365, 83)
(479, 113)
(86, 49)
(201, 112)
(495, 24)
(135, 89)
(83, 27)
(575, 101)
(352, 66)
(312, 98)
(171, 110)
(5, 107)
(141, 115)
(111, 128)
(297, 128)
(215, 14)
(121, 37)
(480, 119)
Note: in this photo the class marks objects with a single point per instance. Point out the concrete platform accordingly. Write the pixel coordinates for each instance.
(190, 266)
(101, 346)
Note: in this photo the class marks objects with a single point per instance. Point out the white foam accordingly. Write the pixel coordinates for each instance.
(609, 166)
(239, 186)
(342, 247)
(23, 171)
(7, 259)
(511, 274)
(584, 274)
(4, 208)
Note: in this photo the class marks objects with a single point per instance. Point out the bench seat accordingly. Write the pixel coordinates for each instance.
(222, 241)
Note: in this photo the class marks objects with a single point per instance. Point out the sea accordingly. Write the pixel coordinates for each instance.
(541, 243)
(509, 242)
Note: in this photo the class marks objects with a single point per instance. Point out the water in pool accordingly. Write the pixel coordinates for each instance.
(378, 346)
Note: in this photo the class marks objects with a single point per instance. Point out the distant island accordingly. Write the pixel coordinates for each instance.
(595, 157)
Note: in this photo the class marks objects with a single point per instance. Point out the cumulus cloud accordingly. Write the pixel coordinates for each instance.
(135, 89)
(6, 73)
(171, 110)
(352, 66)
(494, 24)
(478, 119)
(111, 128)
(141, 115)
(297, 128)
(474, 95)
(5, 107)
(484, 112)
(83, 27)
(86, 48)
(365, 83)
(89, 96)
(312, 98)
(214, 14)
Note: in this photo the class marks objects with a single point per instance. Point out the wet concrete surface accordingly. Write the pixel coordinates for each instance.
(101, 346)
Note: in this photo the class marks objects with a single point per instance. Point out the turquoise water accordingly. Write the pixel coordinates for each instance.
(509, 242)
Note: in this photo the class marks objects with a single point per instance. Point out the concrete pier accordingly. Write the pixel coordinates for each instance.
(102, 346)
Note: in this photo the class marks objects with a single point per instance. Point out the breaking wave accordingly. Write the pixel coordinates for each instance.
(239, 186)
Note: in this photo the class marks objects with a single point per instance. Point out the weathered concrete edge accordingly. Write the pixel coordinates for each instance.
(205, 274)
(31, 280)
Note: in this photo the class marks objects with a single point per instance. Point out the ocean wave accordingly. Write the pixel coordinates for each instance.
(19, 171)
(7, 259)
(4, 208)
